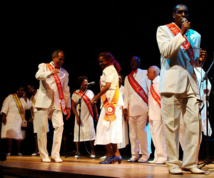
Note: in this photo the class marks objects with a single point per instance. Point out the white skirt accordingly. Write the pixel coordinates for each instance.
(109, 132)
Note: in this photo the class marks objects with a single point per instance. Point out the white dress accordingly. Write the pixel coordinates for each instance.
(12, 129)
(110, 132)
(87, 131)
(125, 139)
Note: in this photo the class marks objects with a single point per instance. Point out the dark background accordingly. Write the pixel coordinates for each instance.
(82, 29)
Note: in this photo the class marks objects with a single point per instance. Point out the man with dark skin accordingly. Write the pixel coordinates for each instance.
(180, 53)
(136, 110)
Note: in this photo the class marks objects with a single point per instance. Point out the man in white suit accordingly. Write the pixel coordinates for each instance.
(180, 51)
(136, 110)
(53, 96)
(155, 119)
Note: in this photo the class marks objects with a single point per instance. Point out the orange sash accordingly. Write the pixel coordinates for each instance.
(175, 30)
(155, 95)
(87, 102)
(59, 87)
(139, 90)
(110, 107)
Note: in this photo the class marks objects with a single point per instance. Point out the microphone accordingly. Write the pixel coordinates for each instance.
(91, 83)
(183, 20)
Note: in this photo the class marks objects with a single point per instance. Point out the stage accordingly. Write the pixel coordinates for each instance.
(30, 166)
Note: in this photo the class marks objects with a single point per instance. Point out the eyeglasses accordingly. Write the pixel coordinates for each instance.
(183, 11)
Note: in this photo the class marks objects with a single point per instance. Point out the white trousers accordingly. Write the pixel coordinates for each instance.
(172, 104)
(138, 136)
(57, 121)
(158, 138)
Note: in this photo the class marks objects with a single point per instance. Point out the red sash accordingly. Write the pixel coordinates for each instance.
(175, 30)
(87, 102)
(155, 95)
(139, 90)
(59, 87)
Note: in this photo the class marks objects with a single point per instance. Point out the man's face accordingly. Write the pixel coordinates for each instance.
(181, 12)
(134, 63)
(150, 74)
(59, 60)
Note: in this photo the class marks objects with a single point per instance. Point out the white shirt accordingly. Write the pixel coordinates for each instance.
(154, 108)
(132, 101)
(110, 75)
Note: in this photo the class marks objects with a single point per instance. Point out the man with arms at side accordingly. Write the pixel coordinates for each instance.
(155, 119)
(180, 53)
(53, 96)
(136, 110)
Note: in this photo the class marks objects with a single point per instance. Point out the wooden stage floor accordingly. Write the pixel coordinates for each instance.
(29, 166)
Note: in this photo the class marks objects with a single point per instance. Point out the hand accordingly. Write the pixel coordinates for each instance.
(96, 118)
(4, 119)
(68, 110)
(185, 26)
(93, 101)
(203, 55)
(78, 120)
(125, 112)
(206, 91)
(55, 71)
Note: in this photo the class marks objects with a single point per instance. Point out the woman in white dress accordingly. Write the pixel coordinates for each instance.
(109, 127)
(125, 140)
(87, 131)
(13, 118)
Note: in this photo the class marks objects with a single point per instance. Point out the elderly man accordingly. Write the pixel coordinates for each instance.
(155, 119)
(53, 96)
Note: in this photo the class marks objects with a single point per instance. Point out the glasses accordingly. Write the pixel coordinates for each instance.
(183, 11)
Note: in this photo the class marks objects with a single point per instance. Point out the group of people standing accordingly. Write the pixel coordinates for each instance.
(147, 100)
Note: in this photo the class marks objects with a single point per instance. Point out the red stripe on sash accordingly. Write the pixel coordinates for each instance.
(175, 30)
(87, 102)
(59, 87)
(155, 95)
(139, 90)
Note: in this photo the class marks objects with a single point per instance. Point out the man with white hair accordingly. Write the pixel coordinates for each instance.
(155, 119)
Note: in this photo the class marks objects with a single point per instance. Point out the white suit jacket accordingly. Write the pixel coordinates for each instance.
(48, 92)
(132, 101)
(154, 108)
(176, 68)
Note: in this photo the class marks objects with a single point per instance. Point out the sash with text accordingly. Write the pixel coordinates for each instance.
(59, 87)
(186, 45)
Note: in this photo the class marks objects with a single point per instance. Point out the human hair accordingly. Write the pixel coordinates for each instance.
(80, 79)
(56, 52)
(109, 57)
(175, 7)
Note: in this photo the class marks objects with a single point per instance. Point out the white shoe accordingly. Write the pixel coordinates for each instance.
(8, 154)
(133, 159)
(103, 157)
(46, 160)
(195, 170)
(34, 154)
(19, 154)
(92, 156)
(57, 160)
(141, 160)
(152, 162)
(176, 171)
